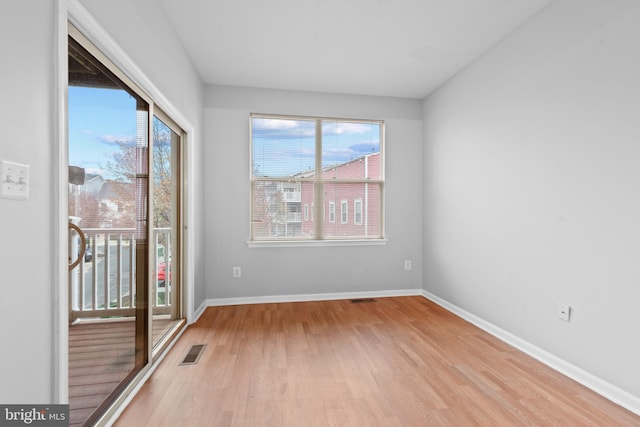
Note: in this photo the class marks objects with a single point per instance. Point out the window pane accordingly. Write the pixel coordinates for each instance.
(366, 197)
(276, 209)
(350, 150)
(282, 147)
(285, 182)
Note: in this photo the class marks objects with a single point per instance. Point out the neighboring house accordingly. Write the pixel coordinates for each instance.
(101, 203)
(117, 203)
(349, 209)
(78, 194)
(92, 184)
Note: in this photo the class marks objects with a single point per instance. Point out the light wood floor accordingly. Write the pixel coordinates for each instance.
(393, 362)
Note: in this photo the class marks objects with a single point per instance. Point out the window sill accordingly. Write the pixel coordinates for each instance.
(314, 243)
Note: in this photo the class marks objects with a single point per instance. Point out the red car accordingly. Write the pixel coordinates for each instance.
(162, 274)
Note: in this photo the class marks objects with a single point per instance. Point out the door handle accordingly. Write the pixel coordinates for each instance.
(83, 245)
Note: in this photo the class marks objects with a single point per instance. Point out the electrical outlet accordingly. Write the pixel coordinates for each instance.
(237, 271)
(407, 264)
(564, 311)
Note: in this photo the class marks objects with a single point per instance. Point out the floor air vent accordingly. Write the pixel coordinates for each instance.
(362, 300)
(193, 355)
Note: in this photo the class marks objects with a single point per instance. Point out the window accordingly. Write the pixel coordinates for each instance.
(306, 161)
(332, 211)
(344, 212)
(357, 212)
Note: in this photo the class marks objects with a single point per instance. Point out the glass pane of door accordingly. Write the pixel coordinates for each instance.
(108, 182)
(166, 232)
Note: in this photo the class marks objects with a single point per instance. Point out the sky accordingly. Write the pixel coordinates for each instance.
(99, 120)
(284, 147)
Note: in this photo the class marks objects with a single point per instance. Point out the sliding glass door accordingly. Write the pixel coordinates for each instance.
(167, 215)
(124, 231)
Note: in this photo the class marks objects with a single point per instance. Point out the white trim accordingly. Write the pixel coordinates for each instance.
(216, 302)
(188, 232)
(314, 243)
(60, 364)
(598, 385)
(200, 311)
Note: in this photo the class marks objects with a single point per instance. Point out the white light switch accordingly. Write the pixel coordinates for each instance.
(14, 178)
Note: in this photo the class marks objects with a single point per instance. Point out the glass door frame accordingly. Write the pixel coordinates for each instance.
(141, 356)
(177, 264)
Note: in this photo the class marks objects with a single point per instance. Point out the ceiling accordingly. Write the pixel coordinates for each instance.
(399, 48)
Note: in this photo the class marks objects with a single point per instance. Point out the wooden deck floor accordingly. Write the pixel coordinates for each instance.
(392, 362)
(100, 357)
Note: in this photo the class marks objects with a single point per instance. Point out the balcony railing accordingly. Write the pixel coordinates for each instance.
(294, 216)
(295, 196)
(103, 284)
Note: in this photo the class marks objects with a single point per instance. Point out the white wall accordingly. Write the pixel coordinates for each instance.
(26, 241)
(532, 186)
(308, 270)
(143, 31)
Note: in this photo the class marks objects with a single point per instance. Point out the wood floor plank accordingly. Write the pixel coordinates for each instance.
(100, 356)
(393, 362)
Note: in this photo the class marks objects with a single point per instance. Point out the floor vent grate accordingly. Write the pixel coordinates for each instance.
(193, 355)
(362, 300)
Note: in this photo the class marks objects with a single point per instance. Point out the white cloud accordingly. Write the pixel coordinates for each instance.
(283, 128)
(119, 140)
(339, 128)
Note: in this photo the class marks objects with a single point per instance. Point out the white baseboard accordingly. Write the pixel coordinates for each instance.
(199, 311)
(217, 302)
(598, 385)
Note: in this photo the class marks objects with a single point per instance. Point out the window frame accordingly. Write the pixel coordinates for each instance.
(318, 205)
